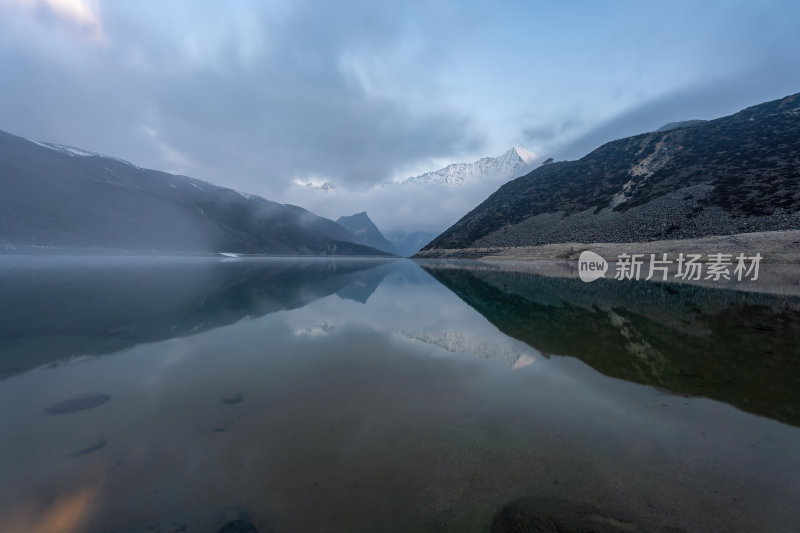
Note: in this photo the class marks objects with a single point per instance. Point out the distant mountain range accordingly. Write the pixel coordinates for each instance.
(63, 197)
(512, 163)
(735, 174)
(399, 242)
(366, 232)
(407, 243)
(487, 170)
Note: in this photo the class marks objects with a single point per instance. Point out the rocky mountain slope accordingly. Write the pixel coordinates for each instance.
(59, 196)
(366, 232)
(512, 163)
(735, 174)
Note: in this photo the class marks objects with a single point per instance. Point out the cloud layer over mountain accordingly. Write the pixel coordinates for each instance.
(280, 99)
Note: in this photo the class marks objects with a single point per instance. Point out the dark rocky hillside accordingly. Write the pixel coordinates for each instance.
(55, 196)
(735, 174)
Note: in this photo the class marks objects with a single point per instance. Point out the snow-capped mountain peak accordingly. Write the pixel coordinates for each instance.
(513, 163)
(527, 157)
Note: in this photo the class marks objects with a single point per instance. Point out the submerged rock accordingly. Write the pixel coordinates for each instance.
(79, 403)
(235, 398)
(93, 446)
(212, 520)
(549, 515)
(241, 525)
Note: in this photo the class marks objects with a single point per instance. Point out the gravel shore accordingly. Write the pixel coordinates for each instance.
(774, 247)
(779, 270)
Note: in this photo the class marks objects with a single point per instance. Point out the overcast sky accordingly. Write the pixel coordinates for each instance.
(266, 96)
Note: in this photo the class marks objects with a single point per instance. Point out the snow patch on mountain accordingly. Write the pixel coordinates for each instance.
(72, 152)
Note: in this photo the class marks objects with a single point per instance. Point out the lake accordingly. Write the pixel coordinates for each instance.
(305, 395)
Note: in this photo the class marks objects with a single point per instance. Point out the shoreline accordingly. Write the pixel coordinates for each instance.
(774, 246)
(779, 267)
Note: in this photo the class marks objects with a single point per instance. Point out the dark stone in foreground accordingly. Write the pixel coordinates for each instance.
(214, 520)
(79, 403)
(239, 526)
(233, 399)
(546, 515)
(95, 445)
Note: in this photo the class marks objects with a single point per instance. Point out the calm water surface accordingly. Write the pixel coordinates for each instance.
(288, 395)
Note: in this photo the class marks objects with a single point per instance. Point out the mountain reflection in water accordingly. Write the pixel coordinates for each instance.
(141, 394)
(737, 347)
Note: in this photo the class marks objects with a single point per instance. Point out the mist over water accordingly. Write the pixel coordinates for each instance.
(375, 395)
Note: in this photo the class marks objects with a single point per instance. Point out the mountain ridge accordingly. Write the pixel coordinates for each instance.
(65, 197)
(734, 174)
(504, 166)
(366, 231)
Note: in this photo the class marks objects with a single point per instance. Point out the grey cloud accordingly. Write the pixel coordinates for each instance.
(541, 132)
(250, 118)
(548, 132)
(289, 131)
(709, 100)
